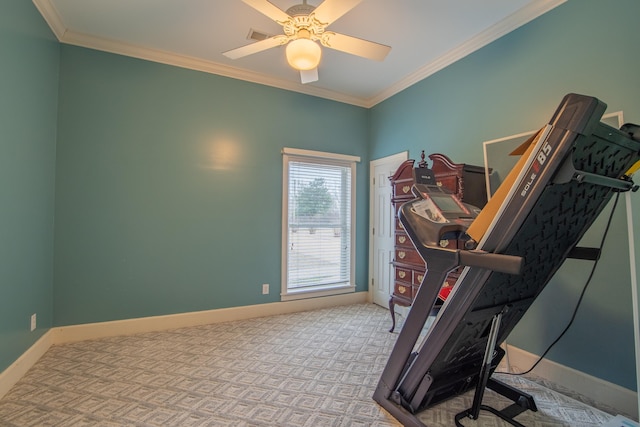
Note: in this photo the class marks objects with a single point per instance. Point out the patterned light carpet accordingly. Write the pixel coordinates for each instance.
(316, 368)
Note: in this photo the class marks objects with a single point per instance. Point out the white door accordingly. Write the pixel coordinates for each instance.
(382, 224)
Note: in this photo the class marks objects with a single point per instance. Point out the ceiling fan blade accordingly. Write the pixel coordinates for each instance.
(355, 46)
(330, 10)
(255, 47)
(269, 9)
(309, 76)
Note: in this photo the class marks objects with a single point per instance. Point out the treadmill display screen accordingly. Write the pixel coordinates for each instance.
(447, 203)
(438, 208)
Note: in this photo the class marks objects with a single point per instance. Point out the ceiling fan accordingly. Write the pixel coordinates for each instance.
(305, 25)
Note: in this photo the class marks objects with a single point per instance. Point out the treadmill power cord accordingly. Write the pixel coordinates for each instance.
(584, 289)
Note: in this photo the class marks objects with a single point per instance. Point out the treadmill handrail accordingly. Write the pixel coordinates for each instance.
(500, 263)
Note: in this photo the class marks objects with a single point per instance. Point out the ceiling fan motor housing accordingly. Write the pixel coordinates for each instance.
(300, 9)
(302, 18)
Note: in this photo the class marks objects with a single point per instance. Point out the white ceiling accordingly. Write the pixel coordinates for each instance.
(425, 36)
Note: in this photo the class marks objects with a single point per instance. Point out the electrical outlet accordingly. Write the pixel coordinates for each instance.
(33, 322)
(265, 288)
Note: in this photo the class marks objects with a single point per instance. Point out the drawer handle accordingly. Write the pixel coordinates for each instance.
(402, 239)
(401, 274)
(444, 243)
(402, 289)
(401, 255)
(420, 277)
(406, 189)
(439, 183)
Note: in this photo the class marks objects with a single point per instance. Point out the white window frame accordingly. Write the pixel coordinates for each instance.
(294, 154)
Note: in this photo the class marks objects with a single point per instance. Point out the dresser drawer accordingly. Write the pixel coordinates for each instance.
(404, 274)
(409, 256)
(450, 280)
(418, 276)
(450, 183)
(403, 290)
(403, 241)
(402, 189)
(449, 243)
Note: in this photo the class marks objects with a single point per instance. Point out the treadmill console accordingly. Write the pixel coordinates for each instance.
(437, 215)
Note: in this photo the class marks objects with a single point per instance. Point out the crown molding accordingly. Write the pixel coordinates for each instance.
(197, 64)
(52, 17)
(510, 23)
(505, 26)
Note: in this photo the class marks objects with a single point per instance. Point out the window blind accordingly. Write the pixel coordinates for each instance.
(318, 208)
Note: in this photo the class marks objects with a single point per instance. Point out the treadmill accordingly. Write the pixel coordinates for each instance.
(567, 175)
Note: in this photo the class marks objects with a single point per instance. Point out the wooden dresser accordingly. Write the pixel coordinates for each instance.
(465, 181)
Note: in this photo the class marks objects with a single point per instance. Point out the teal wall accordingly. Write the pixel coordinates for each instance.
(514, 85)
(29, 58)
(169, 186)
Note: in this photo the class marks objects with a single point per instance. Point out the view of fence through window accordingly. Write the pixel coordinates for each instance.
(319, 219)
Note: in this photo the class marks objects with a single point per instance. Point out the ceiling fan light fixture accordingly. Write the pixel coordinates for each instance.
(303, 54)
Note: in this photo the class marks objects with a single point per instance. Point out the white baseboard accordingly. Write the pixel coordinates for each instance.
(74, 333)
(17, 369)
(67, 334)
(623, 400)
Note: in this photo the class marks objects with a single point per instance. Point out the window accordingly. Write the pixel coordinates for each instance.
(317, 223)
